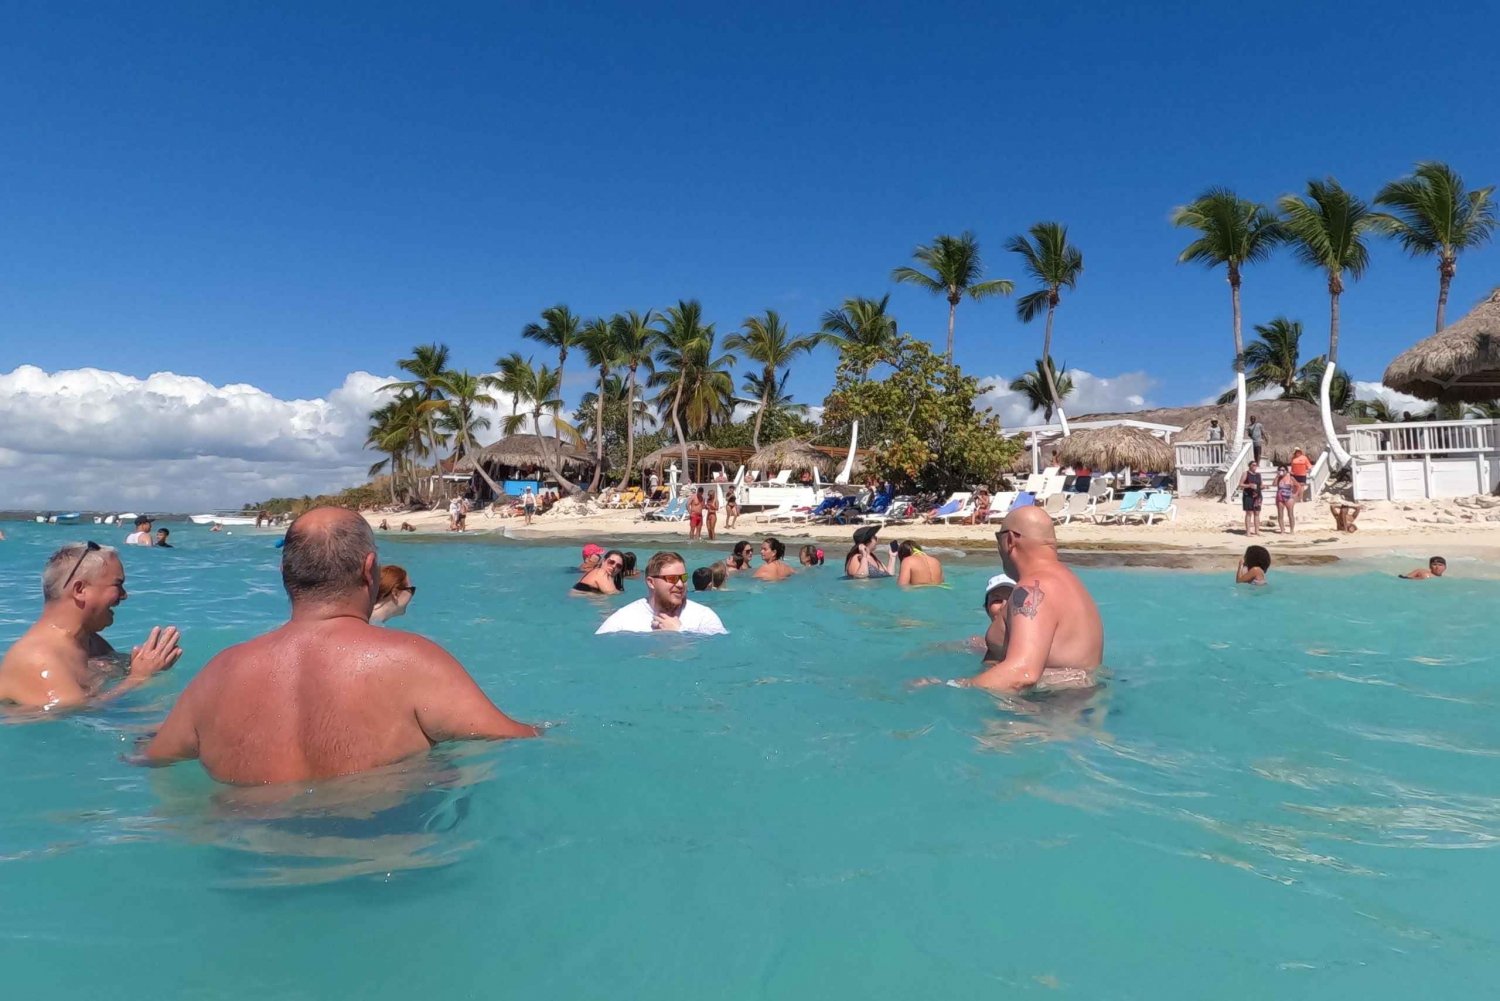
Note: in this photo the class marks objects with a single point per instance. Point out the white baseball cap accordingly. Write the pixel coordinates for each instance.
(999, 580)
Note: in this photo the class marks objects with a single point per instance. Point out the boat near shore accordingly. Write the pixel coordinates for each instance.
(222, 519)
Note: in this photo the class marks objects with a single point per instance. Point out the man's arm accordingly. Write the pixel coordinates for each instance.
(177, 739)
(450, 705)
(1030, 625)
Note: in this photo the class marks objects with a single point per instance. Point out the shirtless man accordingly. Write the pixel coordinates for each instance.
(917, 568)
(327, 693)
(1436, 567)
(62, 661)
(772, 566)
(695, 515)
(1054, 635)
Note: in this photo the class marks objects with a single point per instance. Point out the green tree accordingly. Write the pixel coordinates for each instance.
(1037, 387)
(920, 421)
(1433, 215)
(1489, 410)
(1327, 231)
(1273, 359)
(561, 330)
(1234, 232)
(1309, 387)
(636, 337)
(463, 394)
(694, 383)
(427, 366)
(862, 331)
(1052, 261)
(601, 345)
(620, 410)
(956, 271)
(398, 431)
(766, 341)
(540, 393)
(1377, 410)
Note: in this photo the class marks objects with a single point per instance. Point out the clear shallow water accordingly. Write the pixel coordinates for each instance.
(1291, 792)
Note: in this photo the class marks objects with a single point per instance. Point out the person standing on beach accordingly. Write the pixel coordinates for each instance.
(666, 607)
(327, 693)
(62, 661)
(1299, 468)
(772, 564)
(1287, 488)
(528, 504)
(1257, 435)
(1436, 567)
(695, 515)
(1215, 433)
(1250, 491)
(731, 508)
(711, 512)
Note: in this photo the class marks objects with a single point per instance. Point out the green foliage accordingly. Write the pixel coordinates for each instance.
(920, 421)
(360, 498)
(1033, 385)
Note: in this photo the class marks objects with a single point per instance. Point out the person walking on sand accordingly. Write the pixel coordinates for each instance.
(1287, 488)
(711, 512)
(1250, 491)
(327, 693)
(528, 504)
(695, 515)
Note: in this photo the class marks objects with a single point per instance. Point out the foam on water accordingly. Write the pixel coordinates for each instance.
(1283, 792)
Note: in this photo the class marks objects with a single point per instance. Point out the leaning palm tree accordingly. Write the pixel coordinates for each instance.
(600, 345)
(956, 271)
(1327, 231)
(1232, 231)
(559, 329)
(427, 366)
(510, 378)
(695, 386)
(1049, 258)
(635, 341)
(1037, 388)
(766, 341)
(772, 397)
(465, 393)
(1273, 360)
(1434, 216)
(863, 332)
(541, 394)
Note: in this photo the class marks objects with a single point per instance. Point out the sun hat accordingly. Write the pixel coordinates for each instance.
(592, 549)
(865, 534)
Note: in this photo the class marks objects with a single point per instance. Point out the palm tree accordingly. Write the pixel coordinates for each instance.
(465, 393)
(1273, 359)
(1378, 410)
(397, 429)
(427, 366)
(1489, 410)
(1037, 389)
(863, 332)
(1049, 258)
(559, 329)
(1233, 231)
(511, 377)
(541, 393)
(696, 382)
(1327, 231)
(635, 337)
(766, 341)
(1434, 216)
(771, 397)
(1309, 387)
(600, 345)
(956, 272)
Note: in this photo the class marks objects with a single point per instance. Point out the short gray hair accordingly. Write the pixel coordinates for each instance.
(60, 566)
(326, 562)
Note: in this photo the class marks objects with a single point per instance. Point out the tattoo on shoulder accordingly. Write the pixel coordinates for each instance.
(1027, 600)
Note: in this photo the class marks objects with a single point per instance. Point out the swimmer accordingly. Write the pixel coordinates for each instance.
(1436, 567)
(1053, 633)
(917, 568)
(1253, 566)
(325, 694)
(606, 578)
(703, 579)
(396, 593)
(592, 553)
(62, 661)
(772, 566)
(385, 526)
(863, 561)
(810, 556)
(740, 558)
(630, 572)
(142, 534)
(996, 598)
(666, 607)
(161, 538)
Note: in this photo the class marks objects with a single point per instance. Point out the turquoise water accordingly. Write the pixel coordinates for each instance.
(1290, 792)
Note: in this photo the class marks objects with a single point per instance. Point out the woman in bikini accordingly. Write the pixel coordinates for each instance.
(731, 509)
(606, 578)
(1287, 492)
(711, 512)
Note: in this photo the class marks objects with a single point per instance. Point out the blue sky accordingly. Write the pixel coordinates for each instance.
(282, 194)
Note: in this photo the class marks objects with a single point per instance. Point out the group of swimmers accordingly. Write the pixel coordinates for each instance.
(328, 693)
(1256, 563)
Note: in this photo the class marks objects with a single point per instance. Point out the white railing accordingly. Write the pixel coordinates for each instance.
(1200, 455)
(1236, 470)
(1415, 439)
(1317, 477)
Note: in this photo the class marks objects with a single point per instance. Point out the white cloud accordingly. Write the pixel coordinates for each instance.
(1397, 401)
(1269, 393)
(1091, 394)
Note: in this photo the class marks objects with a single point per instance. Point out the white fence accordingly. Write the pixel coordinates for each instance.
(1425, 459)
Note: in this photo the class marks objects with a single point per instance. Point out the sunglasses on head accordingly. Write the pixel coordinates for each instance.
(673, 578)
(88, 547)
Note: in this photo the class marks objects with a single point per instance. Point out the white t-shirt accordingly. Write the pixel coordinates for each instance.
(636, 618)
(138, 539)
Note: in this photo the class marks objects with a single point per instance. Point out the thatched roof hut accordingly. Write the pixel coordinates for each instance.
(793, 453)
(1289, 424)
(524, 450)
(1458, 364)
(1115, 448)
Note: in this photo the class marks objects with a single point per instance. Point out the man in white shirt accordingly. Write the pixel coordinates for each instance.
(666, 607)
(142, 534)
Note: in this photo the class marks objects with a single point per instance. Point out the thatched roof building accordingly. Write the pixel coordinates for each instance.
(1289, 424)
(1116, 448)
(524, 450)
(793, 453)
(1458, 364)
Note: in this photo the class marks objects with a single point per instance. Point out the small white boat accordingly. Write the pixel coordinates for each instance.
(222, 519)
(70, 518)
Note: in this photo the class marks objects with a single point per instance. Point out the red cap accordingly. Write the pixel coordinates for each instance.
(592, 549)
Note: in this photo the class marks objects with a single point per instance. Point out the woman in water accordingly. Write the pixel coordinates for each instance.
(1253, 566)
(606, 578)
(1288, 490)
(630, 570)
(811, 556)
(396, 592)
(740, 558)
(863, 561)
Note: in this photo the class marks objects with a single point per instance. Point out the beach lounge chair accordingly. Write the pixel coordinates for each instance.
(1000, 504)
(1052, 483)
(1157, 504)
(960, 505)
(1127, 506)
(1057, 506)
(771, 515)
(782, 478)
(1034, 483)
(675, 510)
(899, 512)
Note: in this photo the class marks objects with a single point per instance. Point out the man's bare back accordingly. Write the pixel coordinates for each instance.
(1052, 598)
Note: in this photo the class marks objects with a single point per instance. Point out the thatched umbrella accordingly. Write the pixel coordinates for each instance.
(1458, 364)
(794, 453)
(1115, 448)
(671, 453)
(524, 450)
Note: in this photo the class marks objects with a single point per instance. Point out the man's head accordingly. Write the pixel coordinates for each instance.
(1026, 536)
(703, 579)
(1254, 419)
(1437, 565)
(1213, 422)
(997, 594)
(329, 554)
(87, 577)
(162, 533)
(772, 549)
(143, 524)
(666, 581)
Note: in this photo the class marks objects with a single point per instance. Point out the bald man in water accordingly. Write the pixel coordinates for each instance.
(326, 694)
(1053, 633)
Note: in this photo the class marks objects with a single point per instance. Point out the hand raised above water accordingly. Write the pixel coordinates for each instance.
(157, 654)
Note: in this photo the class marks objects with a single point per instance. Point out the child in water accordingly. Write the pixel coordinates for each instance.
(1253, 566)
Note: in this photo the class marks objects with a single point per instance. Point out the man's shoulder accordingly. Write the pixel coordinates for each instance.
(628, 617)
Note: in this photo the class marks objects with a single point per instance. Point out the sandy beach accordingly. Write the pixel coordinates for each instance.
(1202, 527)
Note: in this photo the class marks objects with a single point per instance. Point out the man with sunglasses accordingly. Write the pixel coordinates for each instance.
(1053, 635)
(327, 693)
(62, 661)
(666, 607)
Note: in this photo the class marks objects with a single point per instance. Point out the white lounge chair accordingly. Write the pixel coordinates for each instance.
(1052, 483)
(781, 479)
(1033, 484)
(965, 507)
(1056, 505)
(1000, 504)
(772, 514)
(899, 511)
